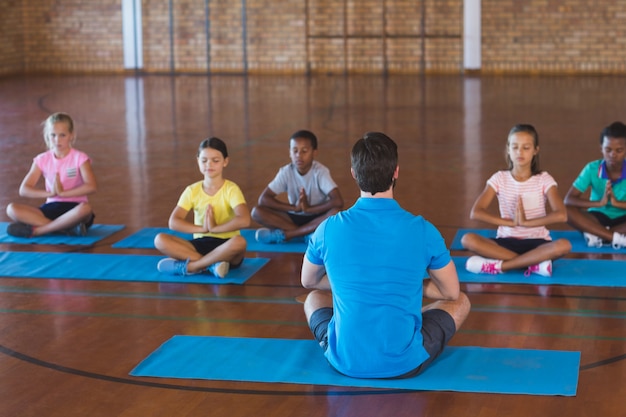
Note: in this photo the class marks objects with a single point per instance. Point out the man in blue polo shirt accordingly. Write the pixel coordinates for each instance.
(367, 267)
(602, 215)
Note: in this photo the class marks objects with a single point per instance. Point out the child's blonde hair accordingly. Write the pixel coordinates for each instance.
(58, 117)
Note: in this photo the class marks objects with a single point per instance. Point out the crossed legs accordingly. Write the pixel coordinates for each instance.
(488, 248)
(231, 251)
(42, 225)
(274, 219)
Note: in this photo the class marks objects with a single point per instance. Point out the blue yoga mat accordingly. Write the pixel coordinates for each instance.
(295, 245)
(110, 267)
(577, 272)
(576, 239)
(94, 234)
(144, 239)
(463, 369)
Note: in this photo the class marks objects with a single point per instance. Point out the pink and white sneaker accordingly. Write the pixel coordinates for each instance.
(543, 268)
(480, 265)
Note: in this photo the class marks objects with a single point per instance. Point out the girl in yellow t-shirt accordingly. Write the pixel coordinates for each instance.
(220, 211)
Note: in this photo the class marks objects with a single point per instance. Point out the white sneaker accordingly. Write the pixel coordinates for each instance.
(619, 241)
(219, 269)
(480, 265)
(543, 268)
(593, 241)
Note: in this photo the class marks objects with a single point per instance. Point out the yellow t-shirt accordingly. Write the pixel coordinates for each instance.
(223, 202)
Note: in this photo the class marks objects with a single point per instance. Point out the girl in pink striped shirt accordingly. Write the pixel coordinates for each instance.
(522, 240)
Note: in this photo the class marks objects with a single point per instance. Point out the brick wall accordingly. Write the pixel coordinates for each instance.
(157, 49)
(276, 36)
(294, 36)
(574, 36)
(72, 36)
(12, 36)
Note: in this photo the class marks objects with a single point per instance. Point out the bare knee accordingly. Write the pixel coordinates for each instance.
(238, 243)
(11, 210)
(566, 246)
(468, 240)
(160, 241)
(255, 214)
(85, 207)
(315, 300)
(563, 247)
(260, 213)
(17, 212)
(84, 210)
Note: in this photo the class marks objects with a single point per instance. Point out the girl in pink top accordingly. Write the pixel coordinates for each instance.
(522, 240)
(68, 179)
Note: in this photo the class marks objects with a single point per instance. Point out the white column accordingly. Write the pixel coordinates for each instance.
(471, 35)
(132, 34)
(136, 151)
(472, 149)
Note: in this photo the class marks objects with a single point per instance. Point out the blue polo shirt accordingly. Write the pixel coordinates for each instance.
(594, 175)
(376, 255)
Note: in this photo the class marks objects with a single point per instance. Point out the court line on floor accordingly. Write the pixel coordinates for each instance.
(92, 375)
(243, 299)
(147, 295)
(151, 317)
(607, 361)
(73, 371)
(476, 308)
(587, 313)
(279, 323)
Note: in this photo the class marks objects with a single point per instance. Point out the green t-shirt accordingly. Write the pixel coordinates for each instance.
(591, 176)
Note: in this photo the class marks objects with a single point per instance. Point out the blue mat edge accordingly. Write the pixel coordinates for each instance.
(143, 239)
(143, 268)
(97, 232)
(565, 271)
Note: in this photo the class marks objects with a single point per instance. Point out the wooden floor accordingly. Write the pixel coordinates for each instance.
(66, 346)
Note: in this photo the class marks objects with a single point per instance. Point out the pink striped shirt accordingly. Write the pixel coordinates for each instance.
(533, 192)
